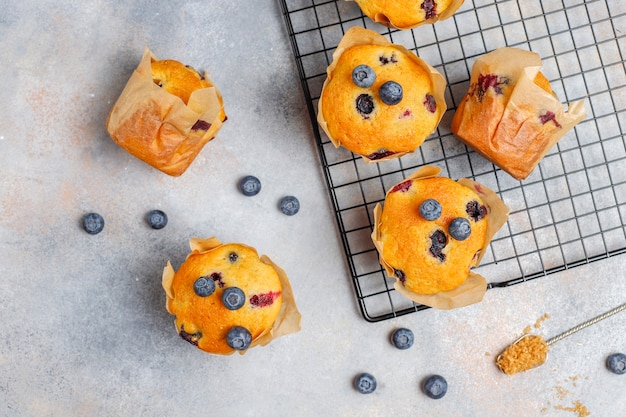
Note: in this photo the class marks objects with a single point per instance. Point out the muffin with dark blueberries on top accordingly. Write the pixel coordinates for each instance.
(432, 231)
(227, 299)
(379, 100)
(407, 14)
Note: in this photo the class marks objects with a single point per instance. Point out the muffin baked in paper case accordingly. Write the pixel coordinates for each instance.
(357, 36)
(474, 287)
(510, 115)
(288, 320)
(158, 127)
(408, 14)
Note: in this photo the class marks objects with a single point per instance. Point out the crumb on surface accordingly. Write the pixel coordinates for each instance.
(541, 320)
(578, 408)
(526, 353)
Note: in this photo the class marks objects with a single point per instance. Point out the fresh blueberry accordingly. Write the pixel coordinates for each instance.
(363, 76)
(402, 338)
(430, 209)
(250, 185)
(460, 228)
(435, 386)
(616, 363)
(238, 338)
(157, 219)
(438, 242)
(365, 383)
(204, 286)
(232, 257)
(390, 93)
(93, 223)
(365, 104)
(289, 205)
(233, 298)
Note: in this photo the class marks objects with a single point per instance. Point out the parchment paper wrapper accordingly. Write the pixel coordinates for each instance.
(289, 318)
(407, 21)
(474, 287)
(359, 36)
(511, 133)
(157, 127)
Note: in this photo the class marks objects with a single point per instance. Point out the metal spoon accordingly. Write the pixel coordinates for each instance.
(539, 347)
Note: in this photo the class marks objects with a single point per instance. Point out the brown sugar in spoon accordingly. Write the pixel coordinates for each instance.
(530, 351)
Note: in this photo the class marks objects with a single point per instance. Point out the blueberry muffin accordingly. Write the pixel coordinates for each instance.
(379, 100)
(510, 115)
(226, 298)
(407, 14)
(432, 230)
(166, 113)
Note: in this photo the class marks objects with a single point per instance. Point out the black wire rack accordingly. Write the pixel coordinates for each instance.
(570, 211)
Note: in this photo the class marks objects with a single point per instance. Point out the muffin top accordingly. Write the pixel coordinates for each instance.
(223, 289)
(380, 100)
(405, 14)
(432, 232)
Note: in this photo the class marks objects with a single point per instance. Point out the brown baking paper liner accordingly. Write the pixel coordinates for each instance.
(510, 134)
(157, 127)
(474, 287)
(384, 20)
(359, 36)
(289, 318)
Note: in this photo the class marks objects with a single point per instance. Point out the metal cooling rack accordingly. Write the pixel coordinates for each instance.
(570, 211)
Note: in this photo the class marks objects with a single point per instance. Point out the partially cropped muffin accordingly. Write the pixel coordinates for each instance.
(431, 231)
(510, 114)
(407, 14)
(166, 113)
(227, 299)
(379, 99)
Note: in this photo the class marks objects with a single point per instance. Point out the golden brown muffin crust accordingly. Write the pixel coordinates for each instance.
(412, 244)
(205, 320)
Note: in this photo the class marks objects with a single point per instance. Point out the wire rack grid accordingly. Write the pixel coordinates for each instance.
(570, 211)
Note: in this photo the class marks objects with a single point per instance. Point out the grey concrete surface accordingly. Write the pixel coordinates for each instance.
(83, 324)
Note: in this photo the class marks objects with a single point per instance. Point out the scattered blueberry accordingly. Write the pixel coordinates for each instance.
(616, 363)
(430, 209)
(250, 185)
(363, 76)
(238, 338)
(93, 223)
(390, 93)
(460, 228)
(232, 257)
(157, 219)
(435, 386)
(204, 286)
(289, 205)
(365, 383)
(438, 241)
(233, 298)
(402, 338)
(365, 104)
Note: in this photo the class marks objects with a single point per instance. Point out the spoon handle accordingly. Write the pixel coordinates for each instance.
(585, 324)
